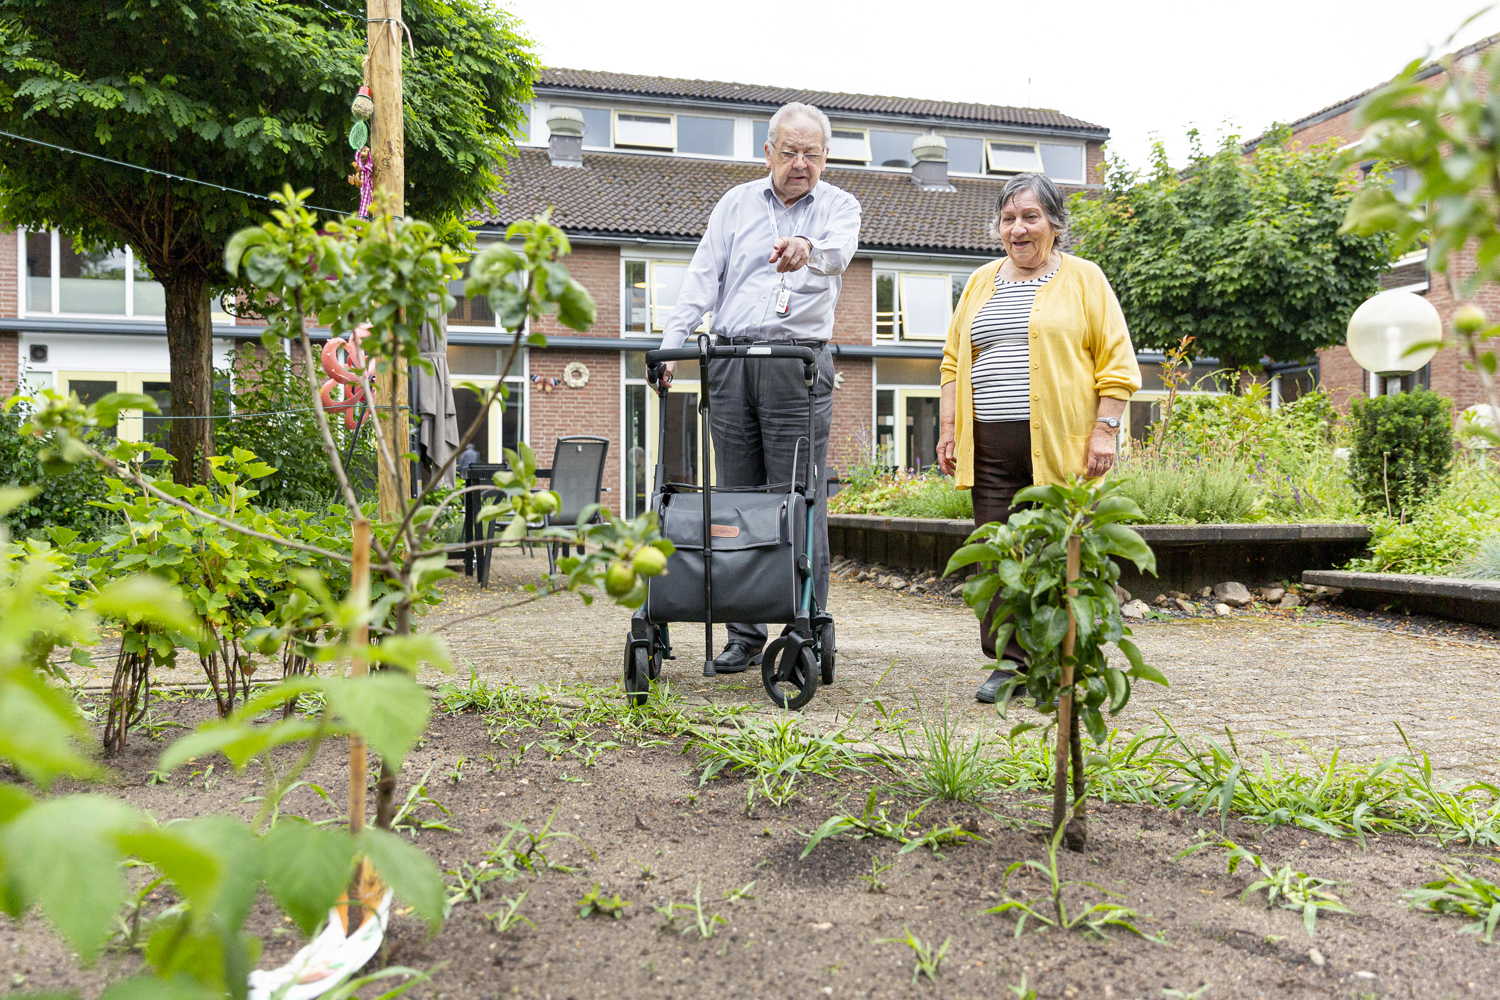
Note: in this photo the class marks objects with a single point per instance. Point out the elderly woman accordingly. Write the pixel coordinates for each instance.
(1036, 372)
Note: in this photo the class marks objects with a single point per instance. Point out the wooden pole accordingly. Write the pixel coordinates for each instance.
(385, 36)
(1065, 702)
(359, 666)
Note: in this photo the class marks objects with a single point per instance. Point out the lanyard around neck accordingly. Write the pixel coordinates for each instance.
(801, 217)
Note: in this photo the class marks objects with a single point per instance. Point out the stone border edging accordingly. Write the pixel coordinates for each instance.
(1476, 601)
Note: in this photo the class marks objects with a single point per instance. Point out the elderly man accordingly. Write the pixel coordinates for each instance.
(768, 269)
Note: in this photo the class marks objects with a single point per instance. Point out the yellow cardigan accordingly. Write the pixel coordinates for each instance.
(1080, 350)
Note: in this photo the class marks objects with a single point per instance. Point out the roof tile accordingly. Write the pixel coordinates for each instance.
(774, 97)
(622, 194)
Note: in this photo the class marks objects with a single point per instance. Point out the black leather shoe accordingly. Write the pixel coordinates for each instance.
(990, 689)
(735, 659)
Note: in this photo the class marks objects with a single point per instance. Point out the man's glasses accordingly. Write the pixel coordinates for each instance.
(792, 156)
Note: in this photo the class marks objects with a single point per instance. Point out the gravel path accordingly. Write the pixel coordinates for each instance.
(1290, 682)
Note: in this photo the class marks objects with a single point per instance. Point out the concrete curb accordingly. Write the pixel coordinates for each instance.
(1476, 601)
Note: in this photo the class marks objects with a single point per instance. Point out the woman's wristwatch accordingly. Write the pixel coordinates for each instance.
(1113, 423)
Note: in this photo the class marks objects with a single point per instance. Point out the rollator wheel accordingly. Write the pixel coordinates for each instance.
(792, 679)
(654, 663)
(637, 674)
(826, 648)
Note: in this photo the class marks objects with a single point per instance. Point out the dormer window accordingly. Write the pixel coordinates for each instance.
(634, 130)
(849, 145)
(1009, 158)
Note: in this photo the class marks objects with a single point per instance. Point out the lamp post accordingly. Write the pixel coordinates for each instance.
(1385, 328)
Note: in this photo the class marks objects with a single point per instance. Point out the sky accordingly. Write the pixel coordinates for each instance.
(1136, 68)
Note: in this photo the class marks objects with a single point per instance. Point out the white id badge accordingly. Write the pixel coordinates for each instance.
(784, 302)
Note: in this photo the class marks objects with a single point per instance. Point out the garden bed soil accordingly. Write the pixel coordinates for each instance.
(812, 928)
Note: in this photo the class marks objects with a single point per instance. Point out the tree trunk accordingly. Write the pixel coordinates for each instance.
(190, 347)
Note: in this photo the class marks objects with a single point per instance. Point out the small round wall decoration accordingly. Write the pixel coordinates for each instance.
(575, 375)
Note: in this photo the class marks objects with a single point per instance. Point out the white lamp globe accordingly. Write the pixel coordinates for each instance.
(1386, 326)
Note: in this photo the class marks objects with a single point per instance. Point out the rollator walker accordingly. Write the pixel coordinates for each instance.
(755, 562)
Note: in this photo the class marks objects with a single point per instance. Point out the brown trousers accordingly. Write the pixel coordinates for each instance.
(1002, 468)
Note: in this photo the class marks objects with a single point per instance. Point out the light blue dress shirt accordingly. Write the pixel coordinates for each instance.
(730, 277)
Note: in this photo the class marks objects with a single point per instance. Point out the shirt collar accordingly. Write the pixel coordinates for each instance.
(769, 192)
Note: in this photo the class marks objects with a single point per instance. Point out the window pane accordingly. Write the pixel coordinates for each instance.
(651, 131)
(891, 149)
(153, 427)
(1063, 163)
(965, 156)
(926, 301)
(959, 281)
(635, 296)
(466, 311)
(38, 272)
(712, 136)
(922, 414)
(513, 419)
(759, 132)
(850, 146)
(466, 406)
(92, 281)
(666, 282)
(1012, 157)
(636, 486)
(92, 390)
(681, 438)
(596, 127)
(885, 305)
(885, 428)
(150, 297)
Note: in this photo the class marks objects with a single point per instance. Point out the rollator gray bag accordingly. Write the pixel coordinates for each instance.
(757, 538)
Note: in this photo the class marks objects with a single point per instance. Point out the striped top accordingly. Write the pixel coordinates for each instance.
(1002, 355)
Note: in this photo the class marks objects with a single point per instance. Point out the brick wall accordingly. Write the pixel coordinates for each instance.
(1093, 163)
(10, 343)
(598, 270)
(854, 399)
(594, 409)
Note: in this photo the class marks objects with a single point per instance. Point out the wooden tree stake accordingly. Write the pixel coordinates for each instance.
(359, 666)
(385, 35)
(1065, 715)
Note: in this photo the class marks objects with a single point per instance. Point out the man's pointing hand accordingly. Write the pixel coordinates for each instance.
(790, 253)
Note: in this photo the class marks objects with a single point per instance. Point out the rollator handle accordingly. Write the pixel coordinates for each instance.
(803, 354)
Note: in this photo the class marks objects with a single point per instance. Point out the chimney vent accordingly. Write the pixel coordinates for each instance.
(565, 145)
(929, 169)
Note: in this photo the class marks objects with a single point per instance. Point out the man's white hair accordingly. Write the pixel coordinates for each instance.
(796, 110)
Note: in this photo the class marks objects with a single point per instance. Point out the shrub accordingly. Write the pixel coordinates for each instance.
(272, 418)
(935, 496)
(1171, 489)
(1440, 533)
(1402, 448)
(65, 500)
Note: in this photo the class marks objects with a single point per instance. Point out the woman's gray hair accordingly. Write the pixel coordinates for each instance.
(1047, 194)
(794, 110)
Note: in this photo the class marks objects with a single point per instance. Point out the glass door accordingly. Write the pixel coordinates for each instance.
(918, 413)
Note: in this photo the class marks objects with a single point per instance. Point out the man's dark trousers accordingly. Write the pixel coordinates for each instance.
(757, 411)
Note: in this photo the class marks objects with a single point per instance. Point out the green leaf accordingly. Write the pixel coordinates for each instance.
(107, 408)
(1139, 668)
(408, 871)
(147, 987)
(1128, 544)
(388, 709)
(969, 554)
(1119, 689)
(145, 598)
(62, 855)
(306, 868)
(1093, 720)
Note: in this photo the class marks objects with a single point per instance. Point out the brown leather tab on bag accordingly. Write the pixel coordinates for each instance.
(724, 531)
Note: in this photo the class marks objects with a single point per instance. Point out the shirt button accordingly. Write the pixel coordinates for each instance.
(1037, 454)
(1035, 398)
(1036, 364)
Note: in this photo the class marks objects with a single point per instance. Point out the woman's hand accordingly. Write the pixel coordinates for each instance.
(945, 450)
(1101, 455)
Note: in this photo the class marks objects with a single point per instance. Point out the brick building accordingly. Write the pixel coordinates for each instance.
(634, 195)
(1336, 369)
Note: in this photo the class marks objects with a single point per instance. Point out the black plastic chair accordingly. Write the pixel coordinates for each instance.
(578, 480)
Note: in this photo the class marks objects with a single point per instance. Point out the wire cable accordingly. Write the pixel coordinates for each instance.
(162, 173)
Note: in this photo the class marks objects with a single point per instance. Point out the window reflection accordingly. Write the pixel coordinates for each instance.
(91, 281)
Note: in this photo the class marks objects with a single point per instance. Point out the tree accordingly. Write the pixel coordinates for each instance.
(247, 94)
(1242, 253)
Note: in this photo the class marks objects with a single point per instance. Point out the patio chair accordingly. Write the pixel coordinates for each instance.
(577, 476)
(578, 480)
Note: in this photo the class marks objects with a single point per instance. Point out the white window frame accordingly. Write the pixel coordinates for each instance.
(864, 135)
(671, 124)
(1083, 165)
(734, 136)
(989, 157)
(55, 283)
(897, 270)
(655, 324)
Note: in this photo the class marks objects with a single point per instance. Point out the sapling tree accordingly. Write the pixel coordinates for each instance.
(1047, 579)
